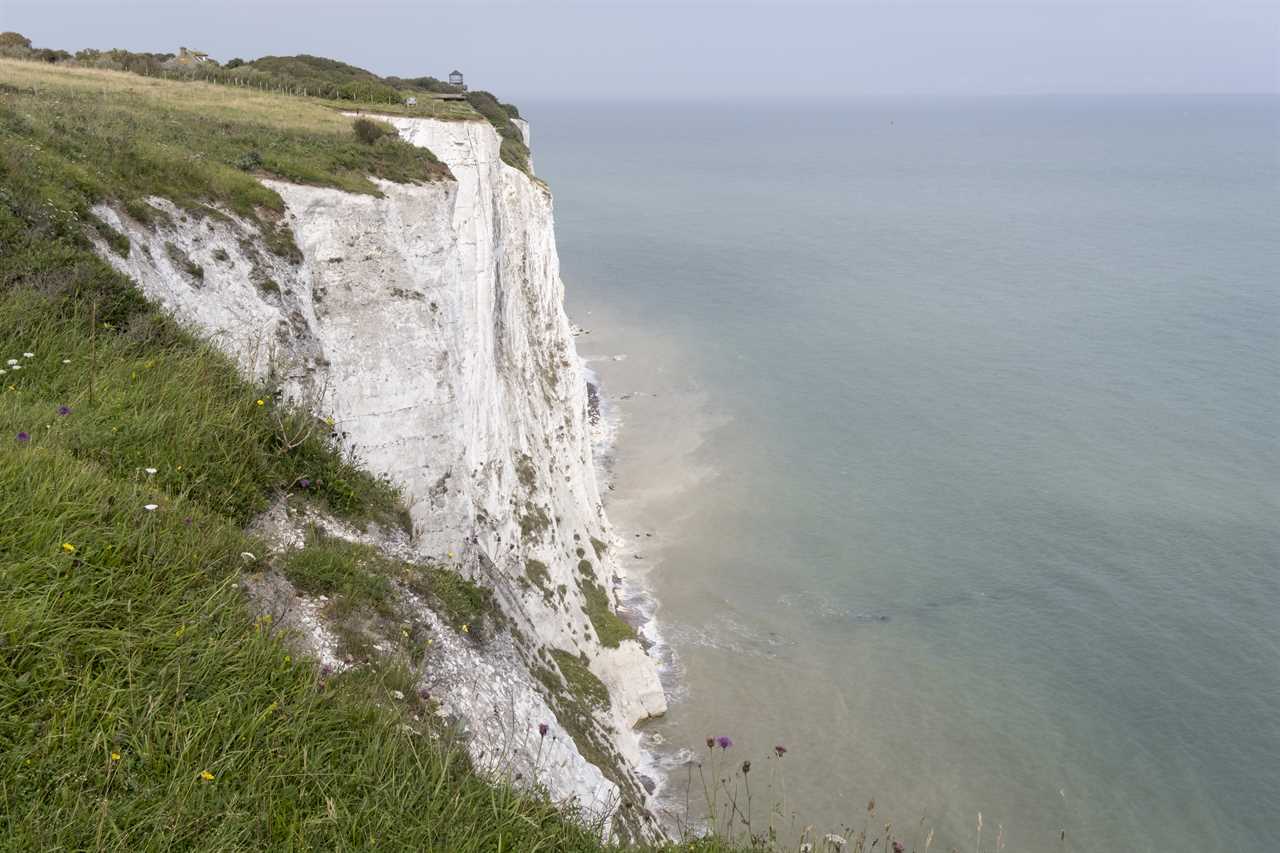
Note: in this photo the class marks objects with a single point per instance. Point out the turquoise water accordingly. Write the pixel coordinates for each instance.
(949, 429)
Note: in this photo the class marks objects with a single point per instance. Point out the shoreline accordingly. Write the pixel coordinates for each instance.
(638, 603)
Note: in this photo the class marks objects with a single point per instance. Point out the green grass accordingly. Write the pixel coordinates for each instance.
(611, 629)
(71, 137)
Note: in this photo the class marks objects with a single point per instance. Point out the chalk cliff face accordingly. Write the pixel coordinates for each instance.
(429, 325)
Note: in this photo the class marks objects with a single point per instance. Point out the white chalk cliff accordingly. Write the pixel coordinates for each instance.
(429, 325)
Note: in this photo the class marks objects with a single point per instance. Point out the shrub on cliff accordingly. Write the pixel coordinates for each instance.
(369, 132)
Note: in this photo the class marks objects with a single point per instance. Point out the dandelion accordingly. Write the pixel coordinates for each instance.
(151, 507)
(115, 756)
(450, 555)
(68, 547)
(543, 728)
(723, 742)
(206, 775)
(780, 750)
(23, 438)
(260, 403)
(63, 411)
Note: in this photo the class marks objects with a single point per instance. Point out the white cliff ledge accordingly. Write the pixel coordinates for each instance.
(429, 324)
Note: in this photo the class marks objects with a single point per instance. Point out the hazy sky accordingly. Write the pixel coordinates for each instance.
(716, 48)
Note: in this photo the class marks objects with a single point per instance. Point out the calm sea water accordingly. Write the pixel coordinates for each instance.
(950, 445)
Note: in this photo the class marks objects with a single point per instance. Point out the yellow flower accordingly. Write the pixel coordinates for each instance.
(466, 629)
(68, 547)
(288, 659)
(260, 403)
(206, 775)
(115, 756)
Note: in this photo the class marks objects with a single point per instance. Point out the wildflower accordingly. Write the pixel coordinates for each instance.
(11, 362)
(16, 367)
(780, 750)
(28, 355)
(115, 756)
(64, 411)
(68, 547)
(806, 847)
(66, 361)
(260, 403)
(711, 743)
(836, 841)
(746, 767)
(450, 555)
(466, 629)
(425, 695)
(723, 742)
(304, 483)
(151, 507)
(288, 658)
(397, 695)
(206, 775)
(326, 670)
(542, 729)
(149, 471)
(23, 438)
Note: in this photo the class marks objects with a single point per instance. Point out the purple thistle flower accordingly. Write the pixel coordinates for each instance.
(542, 729)
(780, 750)
(23, 438)
(64, 410)
(304, 483)
(723, 742)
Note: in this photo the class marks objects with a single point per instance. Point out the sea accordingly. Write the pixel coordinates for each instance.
(946, 454)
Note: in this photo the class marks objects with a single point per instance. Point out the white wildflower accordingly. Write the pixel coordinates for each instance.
(836, 841)
(28, 355)
(11, 362)
(149, 471)
(151, 507)
(66, 361)
(15, 367)
(397, 695)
